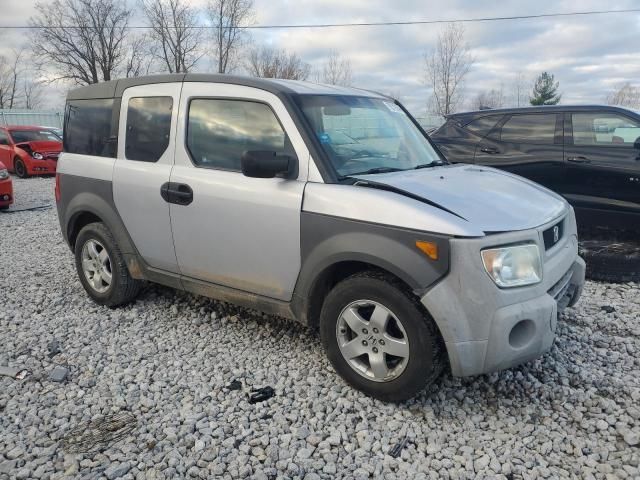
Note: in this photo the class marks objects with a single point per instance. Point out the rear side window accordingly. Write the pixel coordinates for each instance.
(220, 131)
(483, 125)
(607, 129)
(87, 129)
(148, 128)
(538, 128)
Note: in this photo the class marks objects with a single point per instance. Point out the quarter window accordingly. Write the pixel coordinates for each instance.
(88, 128)
(148, 128)
(606, 129)
(537, 128)
(220, 131)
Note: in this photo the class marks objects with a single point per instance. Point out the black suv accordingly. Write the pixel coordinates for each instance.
(588, 154)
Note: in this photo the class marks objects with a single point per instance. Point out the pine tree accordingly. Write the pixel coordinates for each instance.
(545, 90)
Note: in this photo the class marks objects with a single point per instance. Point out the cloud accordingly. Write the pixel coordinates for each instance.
(589, 55)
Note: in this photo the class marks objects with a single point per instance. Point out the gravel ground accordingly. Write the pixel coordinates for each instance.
(168, 359)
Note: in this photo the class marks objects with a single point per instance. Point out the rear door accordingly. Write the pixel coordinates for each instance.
(5, 149)
(527, 144)
(603, 164)
(148, 118)
(236, 231)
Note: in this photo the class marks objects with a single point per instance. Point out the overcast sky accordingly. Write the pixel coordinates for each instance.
(589, 55)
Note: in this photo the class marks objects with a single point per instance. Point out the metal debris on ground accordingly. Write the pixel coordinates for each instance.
(100, 433)
(15, 373)
(261, 394)
(607, 308)
(27, 208)
(397, 448)
(235, 385)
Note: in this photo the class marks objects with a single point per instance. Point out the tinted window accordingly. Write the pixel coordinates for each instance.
(530, 129)
(220, 131)
(604, 129)
(4, 139)
(148, 128)
(483, 125)
(87, 129)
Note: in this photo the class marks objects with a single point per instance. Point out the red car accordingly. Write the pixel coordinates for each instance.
(29, 150)
(6, 188)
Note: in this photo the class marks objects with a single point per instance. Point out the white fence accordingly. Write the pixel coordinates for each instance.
(42, 118)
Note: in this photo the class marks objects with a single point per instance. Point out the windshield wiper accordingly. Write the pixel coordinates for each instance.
(377, 170)
(437, 163)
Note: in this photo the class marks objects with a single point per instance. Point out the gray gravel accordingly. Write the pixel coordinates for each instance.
(169, 357)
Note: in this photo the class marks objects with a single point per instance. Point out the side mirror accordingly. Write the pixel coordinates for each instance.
(266, 164)
(636, 145)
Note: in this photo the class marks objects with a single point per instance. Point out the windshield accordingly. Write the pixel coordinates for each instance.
(366, 135)
(20, 136)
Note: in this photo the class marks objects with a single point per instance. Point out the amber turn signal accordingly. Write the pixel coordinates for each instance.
(430, 249)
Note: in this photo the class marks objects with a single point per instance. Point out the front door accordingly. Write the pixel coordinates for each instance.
(236, 231)
(529, 145)
(5, 150)
(148, 116)
(604, 161)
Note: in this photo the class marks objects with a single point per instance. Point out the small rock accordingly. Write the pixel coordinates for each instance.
(58, 374)
(117, 470)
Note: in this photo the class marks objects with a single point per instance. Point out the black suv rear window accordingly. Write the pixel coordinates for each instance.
(148, 128)
(87, 129)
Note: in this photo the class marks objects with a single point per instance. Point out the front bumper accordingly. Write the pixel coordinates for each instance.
(486, 328)
(41, 167)
(6, 192)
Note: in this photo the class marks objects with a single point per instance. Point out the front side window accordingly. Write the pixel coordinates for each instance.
(21, 136)
(148, 128)
(530, 128)
(366, 135)
(87, 129)
(219, 132)
(605, 129)
(4, 138)
(483, 125)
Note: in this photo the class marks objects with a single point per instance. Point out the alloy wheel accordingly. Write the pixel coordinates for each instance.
(96, 266)
(372, 340)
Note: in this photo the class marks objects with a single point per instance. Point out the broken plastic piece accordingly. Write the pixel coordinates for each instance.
(397, 448)
(16, 373)
(261, 394)
(235, 385)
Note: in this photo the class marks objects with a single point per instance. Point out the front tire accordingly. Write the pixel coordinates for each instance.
(20, 168)
(102, 269)
(379, 338)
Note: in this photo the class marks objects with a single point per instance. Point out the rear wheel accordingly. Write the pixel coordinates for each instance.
(20, 168)
(379, 338)
(101, 267)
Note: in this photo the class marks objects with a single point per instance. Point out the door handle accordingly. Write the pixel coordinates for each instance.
(178, 193)
(578, 159)
(490, 150)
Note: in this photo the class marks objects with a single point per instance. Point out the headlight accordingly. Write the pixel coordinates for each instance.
(37, 156)
(4, 174)
(513, 266)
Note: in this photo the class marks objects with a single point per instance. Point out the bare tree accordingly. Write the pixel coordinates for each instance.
(83, 41)
(489, 99)
(520, 93)
(626, 95)
(175, 33)
(10, 73)
(229, 19)
(446, 68)
(336, 70)
(269, 62)
(32, 94)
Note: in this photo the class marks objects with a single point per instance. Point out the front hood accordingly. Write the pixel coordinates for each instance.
(492, 200)
(41, 146)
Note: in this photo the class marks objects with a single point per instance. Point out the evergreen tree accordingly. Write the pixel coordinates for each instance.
(545, 90)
